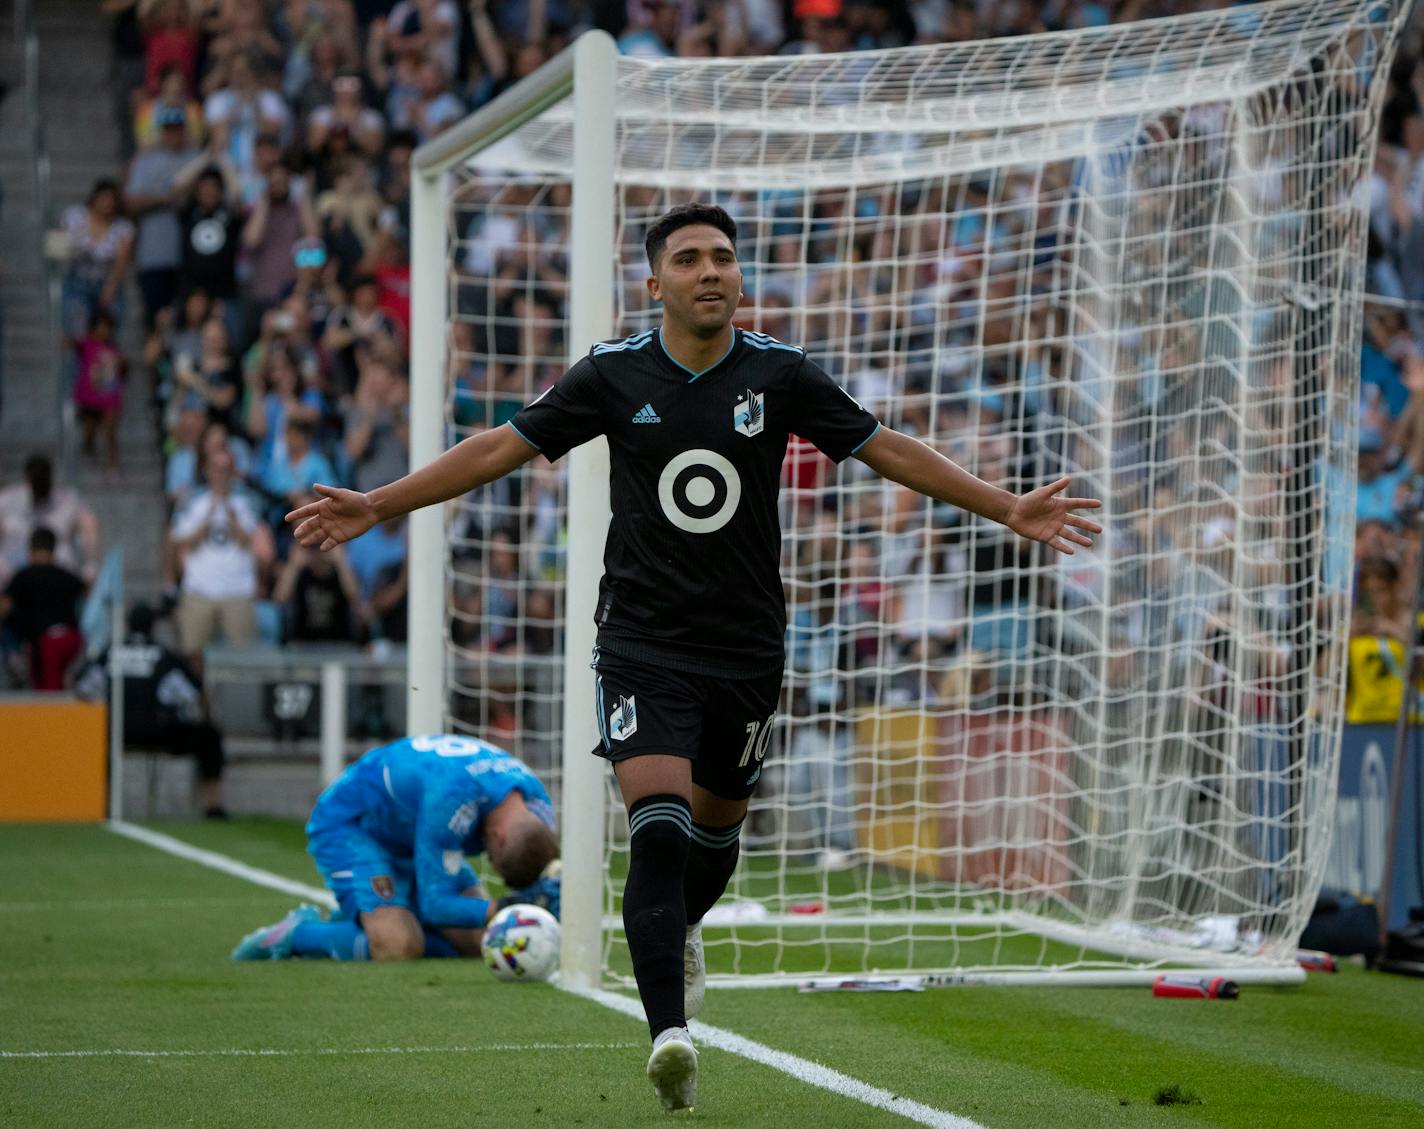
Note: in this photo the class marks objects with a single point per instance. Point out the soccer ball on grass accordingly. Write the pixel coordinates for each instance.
(522, 943)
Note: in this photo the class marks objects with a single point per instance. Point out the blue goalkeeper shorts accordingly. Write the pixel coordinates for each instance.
(362, 873)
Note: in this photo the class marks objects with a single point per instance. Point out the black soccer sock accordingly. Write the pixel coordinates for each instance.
(654, 920)
(710, 863)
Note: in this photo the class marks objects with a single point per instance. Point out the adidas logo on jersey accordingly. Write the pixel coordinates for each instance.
(647, 415)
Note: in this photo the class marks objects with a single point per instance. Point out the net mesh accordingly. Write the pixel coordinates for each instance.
(1131, 255)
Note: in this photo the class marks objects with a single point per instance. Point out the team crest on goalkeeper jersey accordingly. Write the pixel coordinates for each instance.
(749, 413)
(623, 721)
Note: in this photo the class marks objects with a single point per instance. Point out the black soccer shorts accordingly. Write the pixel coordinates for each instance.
(722, 725)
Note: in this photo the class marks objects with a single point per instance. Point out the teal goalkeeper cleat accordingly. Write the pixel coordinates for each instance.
(274, 942)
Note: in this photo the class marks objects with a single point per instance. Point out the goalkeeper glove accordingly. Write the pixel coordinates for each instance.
(543, 893)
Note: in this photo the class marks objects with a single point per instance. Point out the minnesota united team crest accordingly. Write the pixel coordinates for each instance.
(623, 722)
(749, 413)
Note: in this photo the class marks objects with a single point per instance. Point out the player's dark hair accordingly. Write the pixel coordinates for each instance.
(530, 846)
(43, 540)
(685, 215)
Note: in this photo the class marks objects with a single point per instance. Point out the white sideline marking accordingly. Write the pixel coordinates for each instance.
(87, 904)
(270, 1052)
(172, 846)
(803, 1070)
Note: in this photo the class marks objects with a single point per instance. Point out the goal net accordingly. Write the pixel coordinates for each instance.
(1129, 255)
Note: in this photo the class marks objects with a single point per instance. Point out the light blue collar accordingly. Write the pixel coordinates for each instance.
(709, 368)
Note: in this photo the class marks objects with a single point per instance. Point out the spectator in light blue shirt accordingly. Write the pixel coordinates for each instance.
(377, 551)
(289, 474)
(1377, 493)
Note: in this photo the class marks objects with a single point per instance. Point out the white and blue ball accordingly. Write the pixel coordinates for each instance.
(522, 943)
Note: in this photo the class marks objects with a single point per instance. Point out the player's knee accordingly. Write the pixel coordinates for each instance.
(393, 933)
(396, 946)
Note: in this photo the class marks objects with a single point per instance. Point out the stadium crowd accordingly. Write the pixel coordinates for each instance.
(261, 226)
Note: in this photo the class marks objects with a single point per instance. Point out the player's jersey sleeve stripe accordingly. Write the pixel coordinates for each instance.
(765, 341)
(521, 435)
(867, 439)
(637, 341)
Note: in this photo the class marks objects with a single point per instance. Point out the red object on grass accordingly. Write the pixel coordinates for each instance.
(1195, 988)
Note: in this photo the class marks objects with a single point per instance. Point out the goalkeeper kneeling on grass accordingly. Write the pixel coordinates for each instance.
(391, 838)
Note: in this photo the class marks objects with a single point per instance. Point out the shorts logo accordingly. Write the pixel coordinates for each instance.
(749, 413)
(623, 721)
(699, 491)
(383, 886)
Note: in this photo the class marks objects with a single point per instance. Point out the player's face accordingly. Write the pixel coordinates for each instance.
(698, 280)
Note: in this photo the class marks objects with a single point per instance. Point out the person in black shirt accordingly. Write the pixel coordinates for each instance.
(321, 595)
(691, 616)
(211, 227)
(163, 704)
(40, 607)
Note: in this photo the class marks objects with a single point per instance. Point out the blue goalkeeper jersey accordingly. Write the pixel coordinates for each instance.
(424, 799)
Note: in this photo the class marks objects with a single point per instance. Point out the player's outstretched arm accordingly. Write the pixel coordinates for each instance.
(341, 515)
(1043, 514)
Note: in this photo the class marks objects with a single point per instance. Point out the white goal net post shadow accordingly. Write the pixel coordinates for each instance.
(1132, 255)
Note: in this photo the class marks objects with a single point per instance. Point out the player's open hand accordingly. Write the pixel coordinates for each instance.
(1042, 515)
(336, 517)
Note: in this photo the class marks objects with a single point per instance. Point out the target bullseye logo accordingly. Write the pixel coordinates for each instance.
(699, 491)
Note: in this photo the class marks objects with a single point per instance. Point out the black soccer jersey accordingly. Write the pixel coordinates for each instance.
(692, 565)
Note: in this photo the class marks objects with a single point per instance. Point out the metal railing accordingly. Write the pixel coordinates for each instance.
(27, 52)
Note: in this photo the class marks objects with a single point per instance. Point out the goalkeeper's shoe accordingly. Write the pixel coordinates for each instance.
(672, 1068)
(274, 942)
(694, 972)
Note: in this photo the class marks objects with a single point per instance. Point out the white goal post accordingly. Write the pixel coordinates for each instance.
(1132, 255)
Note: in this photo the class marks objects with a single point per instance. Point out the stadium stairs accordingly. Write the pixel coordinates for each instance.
(76, 104)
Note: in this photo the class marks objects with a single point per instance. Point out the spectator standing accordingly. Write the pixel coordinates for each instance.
(321, 596)
(1378, 487)
(211, 231)
(172, 95)
(656, 34)
(432, 107)
(41, 608)
(361, 323)
(240, 32)
(217, 534)
(241, 111)
(99, 388)
(348, 213)
(210, 380)
(100, 255)
(151, 192)
(163, 705)
(282, 217)
(378, 559)
(377, 429)
(346, 113)
(275, 397)
(38, 503)
(170, 42)
(430, 28)
(294, 467)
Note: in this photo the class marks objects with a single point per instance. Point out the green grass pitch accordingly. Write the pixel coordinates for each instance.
(111, 946)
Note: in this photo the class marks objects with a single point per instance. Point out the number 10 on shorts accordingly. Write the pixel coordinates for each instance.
(758, 738)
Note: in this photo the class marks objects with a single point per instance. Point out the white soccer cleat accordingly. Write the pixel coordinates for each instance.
(694, 972)
(672, 1069)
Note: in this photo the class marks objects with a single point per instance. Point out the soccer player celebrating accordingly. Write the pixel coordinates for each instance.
(390, 837)
(691, 613)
